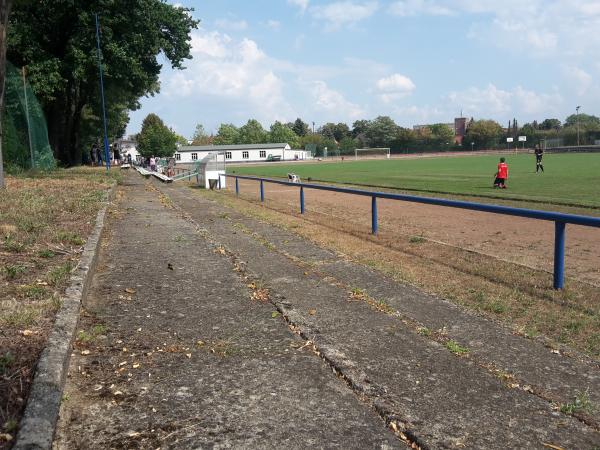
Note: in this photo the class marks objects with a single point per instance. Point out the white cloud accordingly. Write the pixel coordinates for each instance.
(236, 71)
(415, 7)
(532, 103)
(231, 25)
(580, 79)
(477, 102)
(394, 87)
(302, 4)
(493, 102)
(539, 28)
(332, 101)
(273, 24)
(345, 13)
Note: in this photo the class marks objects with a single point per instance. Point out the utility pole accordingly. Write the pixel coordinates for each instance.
(106, 152)
(577, 115)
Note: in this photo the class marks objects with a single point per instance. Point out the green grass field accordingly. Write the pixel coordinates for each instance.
(569, 179)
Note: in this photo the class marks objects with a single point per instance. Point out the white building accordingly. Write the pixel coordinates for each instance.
(240, 153)
(128, 147)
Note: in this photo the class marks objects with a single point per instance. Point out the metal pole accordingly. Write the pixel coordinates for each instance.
(301, 199)
(106, 152)
(559, 255)
(374, 215)
(27, 117)
(262, 191)
(577, 112)
(237, 186)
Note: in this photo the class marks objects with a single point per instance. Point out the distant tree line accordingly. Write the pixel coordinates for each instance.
(384, 132)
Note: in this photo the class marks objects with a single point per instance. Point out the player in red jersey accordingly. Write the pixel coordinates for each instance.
(501, 174)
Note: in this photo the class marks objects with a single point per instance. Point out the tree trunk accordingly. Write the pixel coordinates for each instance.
(4, 13)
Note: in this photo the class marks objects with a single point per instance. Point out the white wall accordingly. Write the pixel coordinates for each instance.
(237, 155)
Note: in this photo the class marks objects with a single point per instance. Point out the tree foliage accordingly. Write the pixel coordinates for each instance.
(282, 133)
(300, 127)
(156, 139)
(56, 40)
(252, 133)
(483, 134)
(228, 134)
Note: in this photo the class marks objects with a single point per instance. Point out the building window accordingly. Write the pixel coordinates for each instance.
(227, 155)
(263, 153)
(245, 155)
(194, 156)
(177, 156)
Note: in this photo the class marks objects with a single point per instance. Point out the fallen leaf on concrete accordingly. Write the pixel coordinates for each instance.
(133, 434)
(312, 312)
(5, 437)
(98, 387)
(170, 266)
(117, 393)
(122, 363)
(200, 343)
(556, 351)
(136, 365)
(85, 352)
(188, 355)
(275, 314)
(130, 290)
(555, 447)
(28, 332)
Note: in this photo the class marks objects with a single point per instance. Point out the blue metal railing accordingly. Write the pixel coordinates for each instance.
(560, 220)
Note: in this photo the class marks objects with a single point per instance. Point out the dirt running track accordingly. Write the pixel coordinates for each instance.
(523, 241)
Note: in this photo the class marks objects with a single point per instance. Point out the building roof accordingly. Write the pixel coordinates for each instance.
(222, 148)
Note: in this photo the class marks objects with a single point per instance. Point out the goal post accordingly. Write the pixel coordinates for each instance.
(378, 152)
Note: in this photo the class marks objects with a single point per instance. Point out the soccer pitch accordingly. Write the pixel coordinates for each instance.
(569, 179)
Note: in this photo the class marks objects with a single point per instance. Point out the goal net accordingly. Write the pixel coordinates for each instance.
(372, 153)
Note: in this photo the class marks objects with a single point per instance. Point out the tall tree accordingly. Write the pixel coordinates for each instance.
(381, 131)
(5, 6)
(156, 139)
(550, 124)
(483, 134)
(252, 133)
(300, 127)
(55, 39)
(200, 137)
(228, 134)
(280, 133)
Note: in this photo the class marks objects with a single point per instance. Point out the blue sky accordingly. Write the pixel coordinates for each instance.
(418, 61)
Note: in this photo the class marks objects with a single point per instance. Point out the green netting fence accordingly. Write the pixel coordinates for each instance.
(25, 141)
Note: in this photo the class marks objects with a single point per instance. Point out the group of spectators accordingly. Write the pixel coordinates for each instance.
(97, 155)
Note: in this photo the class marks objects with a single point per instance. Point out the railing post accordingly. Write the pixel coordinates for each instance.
(237, 186)
(374, 214)
(301, 199)
(559, 255)
(262, 191)
(219, 181)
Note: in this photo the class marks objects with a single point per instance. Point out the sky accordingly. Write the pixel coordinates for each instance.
(417, 61)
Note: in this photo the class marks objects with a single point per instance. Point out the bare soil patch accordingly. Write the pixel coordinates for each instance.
(44, 223)
(498, 266)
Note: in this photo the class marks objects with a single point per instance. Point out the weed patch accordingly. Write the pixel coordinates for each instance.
(455, 348)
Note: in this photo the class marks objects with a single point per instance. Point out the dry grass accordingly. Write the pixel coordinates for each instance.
(519, 296)
(44, 222)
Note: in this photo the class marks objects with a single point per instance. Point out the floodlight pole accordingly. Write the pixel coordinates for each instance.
(106, 152)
